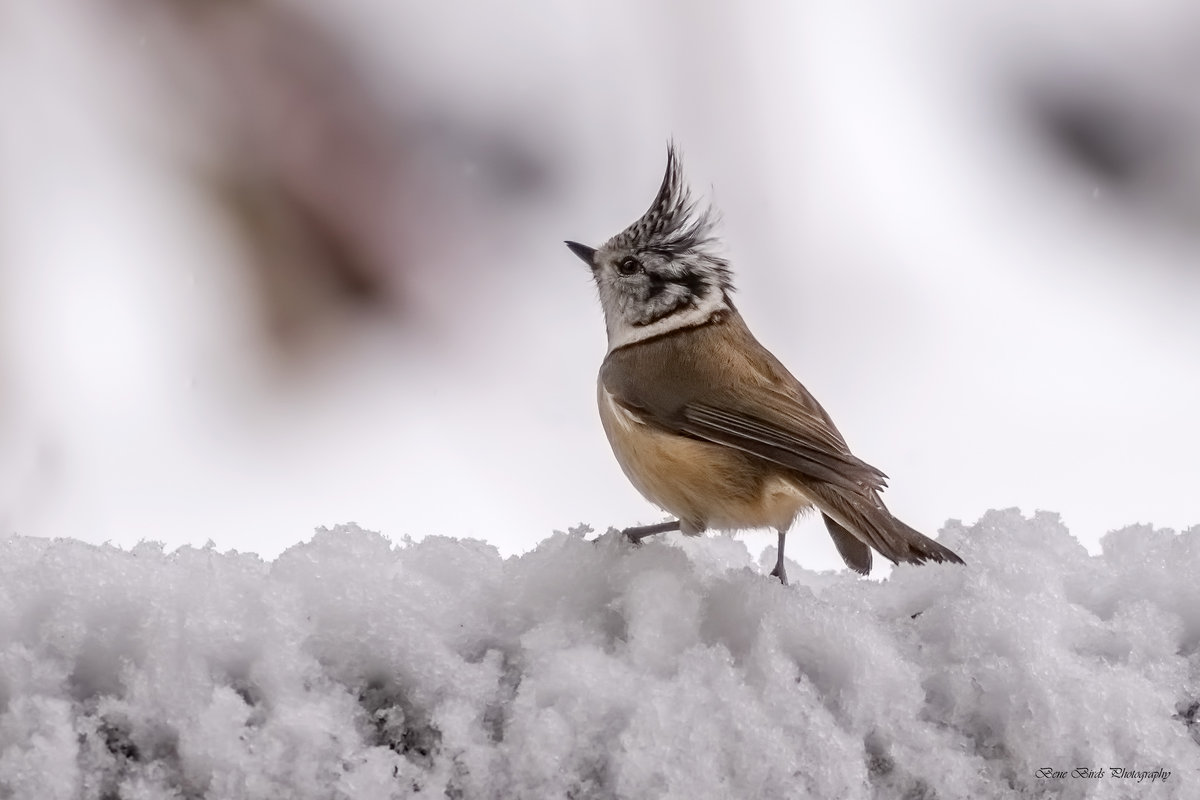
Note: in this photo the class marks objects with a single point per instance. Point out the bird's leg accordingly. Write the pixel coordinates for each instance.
(637, 534)
(780, 571)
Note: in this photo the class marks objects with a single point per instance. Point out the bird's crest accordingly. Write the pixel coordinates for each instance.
(677, 227)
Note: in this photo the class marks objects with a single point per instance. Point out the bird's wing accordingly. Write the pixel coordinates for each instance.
(842, 486)
(764, 423)
(718, 384)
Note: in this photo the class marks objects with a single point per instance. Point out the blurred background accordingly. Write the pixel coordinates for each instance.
(267, 265)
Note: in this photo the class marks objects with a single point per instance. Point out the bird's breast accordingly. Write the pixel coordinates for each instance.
(705, 484)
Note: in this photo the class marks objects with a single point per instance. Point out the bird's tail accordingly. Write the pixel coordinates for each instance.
(868, 520)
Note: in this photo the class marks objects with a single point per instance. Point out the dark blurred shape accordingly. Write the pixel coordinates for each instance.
(297, 154)
(1110, 142)
(303, 271)
(510, 167)
(335, 193)
(1133, 133)
(1113, 133)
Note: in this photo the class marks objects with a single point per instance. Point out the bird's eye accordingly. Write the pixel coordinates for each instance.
(629, 266)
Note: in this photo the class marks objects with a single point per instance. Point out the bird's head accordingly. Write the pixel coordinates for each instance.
(662, 272)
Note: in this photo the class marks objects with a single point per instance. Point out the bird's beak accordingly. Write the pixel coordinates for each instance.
(585, 253)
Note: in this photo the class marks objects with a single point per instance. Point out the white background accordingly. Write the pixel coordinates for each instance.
(987, 322)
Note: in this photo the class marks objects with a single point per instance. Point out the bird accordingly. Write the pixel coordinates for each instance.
(704, 421)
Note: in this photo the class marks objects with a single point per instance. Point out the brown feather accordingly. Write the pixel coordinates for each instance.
(855, 553)
(716, 382)
(713, 428)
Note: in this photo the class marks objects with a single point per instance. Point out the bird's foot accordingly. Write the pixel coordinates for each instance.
(636, 534)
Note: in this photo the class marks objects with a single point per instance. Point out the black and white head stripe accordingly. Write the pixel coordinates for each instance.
(663, 273)
(677, 228)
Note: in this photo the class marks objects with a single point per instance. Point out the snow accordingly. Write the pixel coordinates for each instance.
(350, 667)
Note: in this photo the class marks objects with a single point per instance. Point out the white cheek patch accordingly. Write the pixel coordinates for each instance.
(621, 333)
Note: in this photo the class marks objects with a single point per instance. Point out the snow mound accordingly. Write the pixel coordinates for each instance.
(352, 668)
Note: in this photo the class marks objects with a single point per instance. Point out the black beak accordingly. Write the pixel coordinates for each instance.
(585, 253)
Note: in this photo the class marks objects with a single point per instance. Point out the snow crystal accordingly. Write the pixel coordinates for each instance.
(353, 668)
